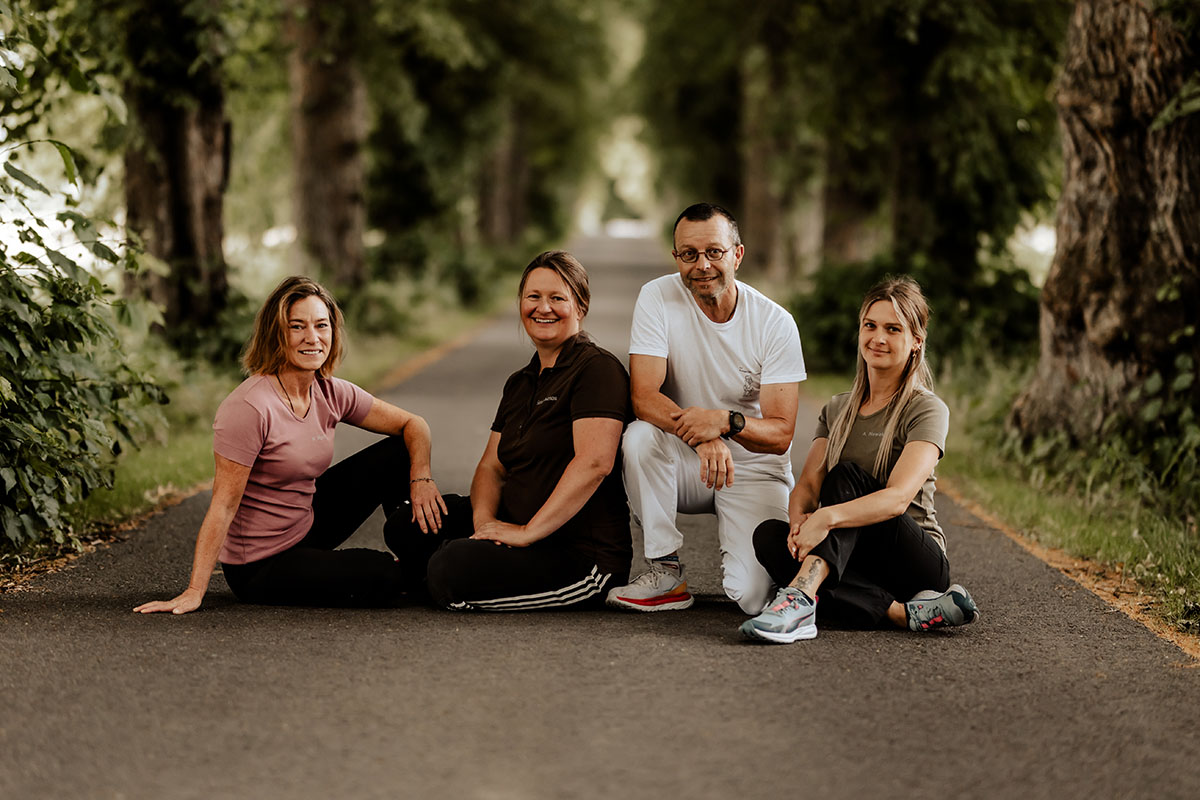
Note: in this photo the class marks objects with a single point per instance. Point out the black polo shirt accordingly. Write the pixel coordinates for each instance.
(534, 421)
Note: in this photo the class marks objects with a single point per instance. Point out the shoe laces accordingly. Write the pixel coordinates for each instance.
(790, 600)
(651, 577)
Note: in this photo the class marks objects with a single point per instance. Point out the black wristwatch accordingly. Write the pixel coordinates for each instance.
(736, 423)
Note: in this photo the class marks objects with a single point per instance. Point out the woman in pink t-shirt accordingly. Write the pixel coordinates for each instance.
(278, 509)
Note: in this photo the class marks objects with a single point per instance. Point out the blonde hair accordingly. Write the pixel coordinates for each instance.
(911, 308)
(266, 351)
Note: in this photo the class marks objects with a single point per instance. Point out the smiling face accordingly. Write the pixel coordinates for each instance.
(549, 311)
(708, 281)
(883, 339)
(309, 334)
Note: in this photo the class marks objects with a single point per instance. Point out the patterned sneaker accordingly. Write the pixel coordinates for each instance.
(657, 589)
(790, 618)
(928, 610)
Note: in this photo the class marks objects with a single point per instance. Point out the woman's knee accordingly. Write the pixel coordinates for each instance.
(845, 482)
(769, 538)
(448, 576)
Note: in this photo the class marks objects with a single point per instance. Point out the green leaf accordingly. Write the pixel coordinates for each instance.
(25, 178)
(6, 78)
(68, 159)
(1183, 362)
(77, 81)
(101, 251)
(1151, 411)
(65, 264)
(1153, 384)
(1182, 381)
(9, 477)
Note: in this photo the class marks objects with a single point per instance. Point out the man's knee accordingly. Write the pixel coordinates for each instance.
(640, 441)
(748, 585)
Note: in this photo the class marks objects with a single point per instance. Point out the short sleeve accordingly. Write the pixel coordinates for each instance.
(829, 413)
(502, 411)
(648, 334)
(783, 361)
(239, 431)
(927, 420)
(822, 431)
(349, 402)
(601, 390)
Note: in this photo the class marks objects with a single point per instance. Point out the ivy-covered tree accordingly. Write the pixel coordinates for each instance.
(177, 159)
(159, 66)
(1119, 344)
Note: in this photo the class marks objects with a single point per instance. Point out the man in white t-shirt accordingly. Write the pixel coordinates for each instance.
(715, 368)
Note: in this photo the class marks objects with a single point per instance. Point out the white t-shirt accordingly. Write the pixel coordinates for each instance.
(719, 364)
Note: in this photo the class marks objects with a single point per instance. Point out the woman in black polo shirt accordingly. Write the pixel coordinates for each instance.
(547, 522)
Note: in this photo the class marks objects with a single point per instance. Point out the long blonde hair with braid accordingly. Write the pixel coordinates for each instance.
(911, 308)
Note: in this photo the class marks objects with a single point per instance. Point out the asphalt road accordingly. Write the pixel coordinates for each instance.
(1051, 695)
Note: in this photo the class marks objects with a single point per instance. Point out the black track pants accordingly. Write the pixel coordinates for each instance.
(473, 574)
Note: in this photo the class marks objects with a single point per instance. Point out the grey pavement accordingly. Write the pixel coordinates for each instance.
(1050, 695)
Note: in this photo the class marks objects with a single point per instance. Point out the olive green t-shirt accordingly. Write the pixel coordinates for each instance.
(924, 419)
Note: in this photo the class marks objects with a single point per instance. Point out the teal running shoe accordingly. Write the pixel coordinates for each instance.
(929, 610)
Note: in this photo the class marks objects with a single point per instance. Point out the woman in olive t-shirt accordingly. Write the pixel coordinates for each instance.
(862, 529)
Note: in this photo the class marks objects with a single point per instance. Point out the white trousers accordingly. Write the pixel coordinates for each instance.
(662, 478)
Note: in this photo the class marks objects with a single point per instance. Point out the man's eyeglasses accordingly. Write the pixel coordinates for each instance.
(712, 254)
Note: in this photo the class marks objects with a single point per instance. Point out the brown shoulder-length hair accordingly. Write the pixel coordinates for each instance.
(266, 352)
(567, 267)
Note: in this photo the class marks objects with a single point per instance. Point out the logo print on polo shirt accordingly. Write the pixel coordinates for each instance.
(547, 399)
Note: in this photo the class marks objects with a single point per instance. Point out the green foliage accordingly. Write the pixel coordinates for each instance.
(995, 317)
(67, 394)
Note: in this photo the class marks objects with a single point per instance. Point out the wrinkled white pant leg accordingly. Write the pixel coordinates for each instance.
(752, 499)
(662, 477)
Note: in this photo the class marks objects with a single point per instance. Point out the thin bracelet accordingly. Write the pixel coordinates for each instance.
(421, 480)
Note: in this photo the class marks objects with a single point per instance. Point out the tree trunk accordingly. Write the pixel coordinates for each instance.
(328, 107)
(850, 228)
(762, 204)
(504, 184)
(1119, 303)
(176, 171)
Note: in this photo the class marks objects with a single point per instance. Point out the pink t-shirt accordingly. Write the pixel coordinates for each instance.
(256, 428)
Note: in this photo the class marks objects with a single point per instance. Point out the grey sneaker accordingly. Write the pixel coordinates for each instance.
(928, 610)
(790, 618)
(657, 589)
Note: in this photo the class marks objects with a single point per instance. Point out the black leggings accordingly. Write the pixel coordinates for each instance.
(869, 567)
(464, 574)
(312, 572)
